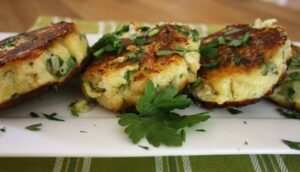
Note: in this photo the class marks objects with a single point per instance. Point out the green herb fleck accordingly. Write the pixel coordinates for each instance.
(34, 127)
(144, 147)
(234, 110)
(288, 113)
(83, 131)
(195, 35)
(141, 41)
(292, 144)
(34, 115)
(232, 31)
(270, 67)
(295, 76)
(201, 130)
(121, 29)
(221, 40)
(197, 83)
(290, 94)
(3, 129)
(52, 117)
(153, 32)
(155, 120)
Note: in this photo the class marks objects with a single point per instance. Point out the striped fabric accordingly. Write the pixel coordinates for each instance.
(230, 163)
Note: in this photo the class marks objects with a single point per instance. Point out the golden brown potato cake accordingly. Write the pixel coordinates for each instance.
(287, 94)
(115, 81)
(241, 64)
(33, 62)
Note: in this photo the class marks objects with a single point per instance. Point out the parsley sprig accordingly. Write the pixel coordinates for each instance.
(155, 119)
(179, 50)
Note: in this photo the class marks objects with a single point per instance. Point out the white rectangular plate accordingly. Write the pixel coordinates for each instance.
(260, 126)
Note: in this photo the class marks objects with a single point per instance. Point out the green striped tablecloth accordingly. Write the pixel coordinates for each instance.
(230, 163)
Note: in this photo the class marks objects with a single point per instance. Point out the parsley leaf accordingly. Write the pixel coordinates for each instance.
(153, 103)
(108, 43)
(234, 110)
(3, 129)
(34, 115)
(141, 41)
(195, 35)
(292, 144)
(290, 94)
(295, 76)
(34, 127)
(52, 117)
(197, 83)
(154, 119)
(288, 113)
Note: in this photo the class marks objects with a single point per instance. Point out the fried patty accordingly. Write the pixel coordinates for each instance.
(116, 81)
(287, 94)
(241, 64)
(33, 62)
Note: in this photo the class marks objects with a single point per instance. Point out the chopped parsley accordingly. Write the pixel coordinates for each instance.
(83, 131)
(153, 32)
(292, 144)
(144, 28)
(196, 83)
(142, 40)
(271, 67)
(179, 50)
(34, 115)
(155, 119)
(144, 147)
(201, 130)
(3, 129)
(290, 94)
(232, 31)
(288, 113)
(234, 110)
(34, 127)
(52, 117)
(295, 76)
(208, 51)
(221, 40)
(195, 35)
(108, 43)
(240, 41)
(121, 29)
(10, 43)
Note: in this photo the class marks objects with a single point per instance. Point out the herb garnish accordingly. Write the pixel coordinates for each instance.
(232, 31)
(110, 42)
(290, 94)
(153, 32)
(212, 65)
(52, 117)
(240, 41)
(155, 120)
(270, 67)
(121, 29)
(195, 35)
(142, 40)
(196, 83)
(34, 127)
(292, 144)
(144, 147)
(3, 129)
(34, 115)
(234, 110)
(201, 130)
(179, 50)
(288, 113)
(295, 76)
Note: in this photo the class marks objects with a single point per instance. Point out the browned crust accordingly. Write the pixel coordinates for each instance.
(43, 88)
(149, 63)
(260, 46)
(210, 105)
(32, 44)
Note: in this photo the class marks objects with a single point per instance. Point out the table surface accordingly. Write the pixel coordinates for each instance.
(18, 15)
